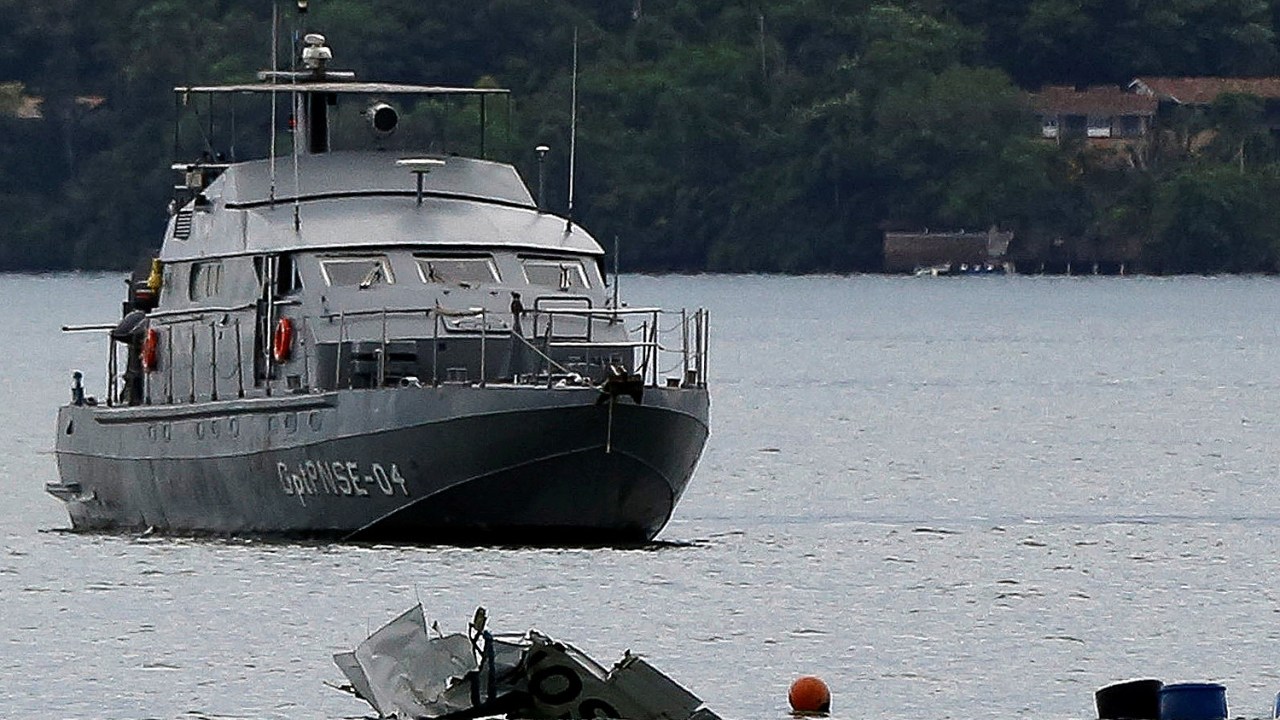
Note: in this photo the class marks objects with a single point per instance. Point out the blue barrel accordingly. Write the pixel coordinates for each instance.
(1193, 701)
(1129, 700)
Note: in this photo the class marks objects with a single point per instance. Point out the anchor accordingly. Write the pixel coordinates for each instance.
(621, 382)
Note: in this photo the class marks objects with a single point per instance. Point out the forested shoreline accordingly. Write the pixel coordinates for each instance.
(714, 135)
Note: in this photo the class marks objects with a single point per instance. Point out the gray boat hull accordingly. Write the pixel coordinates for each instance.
(451, 464)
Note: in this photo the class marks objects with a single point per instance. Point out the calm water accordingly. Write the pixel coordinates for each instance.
(951, 498)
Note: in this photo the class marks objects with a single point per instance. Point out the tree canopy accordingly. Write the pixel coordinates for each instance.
(746, 135)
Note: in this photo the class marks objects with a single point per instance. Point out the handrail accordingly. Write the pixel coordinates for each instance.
(606, 312)
(435, 313)
(196, 315)
(606, 344)
(437, 310)
(689, 339)
(473, 312)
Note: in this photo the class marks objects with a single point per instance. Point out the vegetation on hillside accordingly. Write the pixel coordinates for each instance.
(725, 135)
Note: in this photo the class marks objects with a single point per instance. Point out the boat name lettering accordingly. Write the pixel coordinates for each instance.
(337, 477)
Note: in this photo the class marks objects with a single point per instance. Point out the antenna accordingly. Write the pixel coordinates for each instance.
(573, 132)
(542, 151)
(275, 70)
(299, 124)
(616, 243)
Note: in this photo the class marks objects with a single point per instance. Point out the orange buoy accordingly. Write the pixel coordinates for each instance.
(809, 695)
(282, 345)
(149, 347)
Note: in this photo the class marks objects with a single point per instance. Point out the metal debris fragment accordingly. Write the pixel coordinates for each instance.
(404, 671)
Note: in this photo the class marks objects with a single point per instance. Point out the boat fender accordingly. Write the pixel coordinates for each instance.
(150, 347)
(155, 280)
(282, 343)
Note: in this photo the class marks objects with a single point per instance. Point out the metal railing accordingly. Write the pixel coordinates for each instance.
(682, 345)
(693, 337)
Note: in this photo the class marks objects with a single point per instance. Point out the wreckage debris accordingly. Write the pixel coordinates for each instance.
(403, 671)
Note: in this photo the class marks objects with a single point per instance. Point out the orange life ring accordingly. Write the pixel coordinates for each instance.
(150, 346)
(282, 343)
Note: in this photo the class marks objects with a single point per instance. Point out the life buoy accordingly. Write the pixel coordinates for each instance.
(282, 343)
(150, 348)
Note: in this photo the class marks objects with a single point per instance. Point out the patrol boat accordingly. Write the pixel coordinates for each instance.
(368, 345)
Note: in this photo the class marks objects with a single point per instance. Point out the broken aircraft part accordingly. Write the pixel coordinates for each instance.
(404, 672)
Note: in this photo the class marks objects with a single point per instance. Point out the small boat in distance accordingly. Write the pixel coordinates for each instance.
(378, 346)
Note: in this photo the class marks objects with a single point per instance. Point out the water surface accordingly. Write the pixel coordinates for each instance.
(949, 497)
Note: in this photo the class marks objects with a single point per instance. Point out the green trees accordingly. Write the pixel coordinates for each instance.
(714, 135)
(1103, 41)
(1216, 219)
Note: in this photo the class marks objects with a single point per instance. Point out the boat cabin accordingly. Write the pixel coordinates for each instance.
(327, 268)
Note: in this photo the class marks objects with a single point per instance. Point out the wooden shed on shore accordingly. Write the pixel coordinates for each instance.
(912, 251)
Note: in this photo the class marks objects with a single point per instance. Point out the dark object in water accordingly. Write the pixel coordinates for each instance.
(1130, 700)
(1193, 701)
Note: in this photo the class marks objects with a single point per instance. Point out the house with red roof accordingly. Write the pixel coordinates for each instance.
(1099, 115)
(1172, 92)
(1203, 90)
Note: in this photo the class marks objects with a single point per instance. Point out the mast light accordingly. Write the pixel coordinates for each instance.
(316, 54)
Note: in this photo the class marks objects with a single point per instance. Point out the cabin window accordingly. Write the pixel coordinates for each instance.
(1130, 126)
(560, 274)
(206, 279)
(288, 276)
(464, 271)
(357, 271)
(1074, 126)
